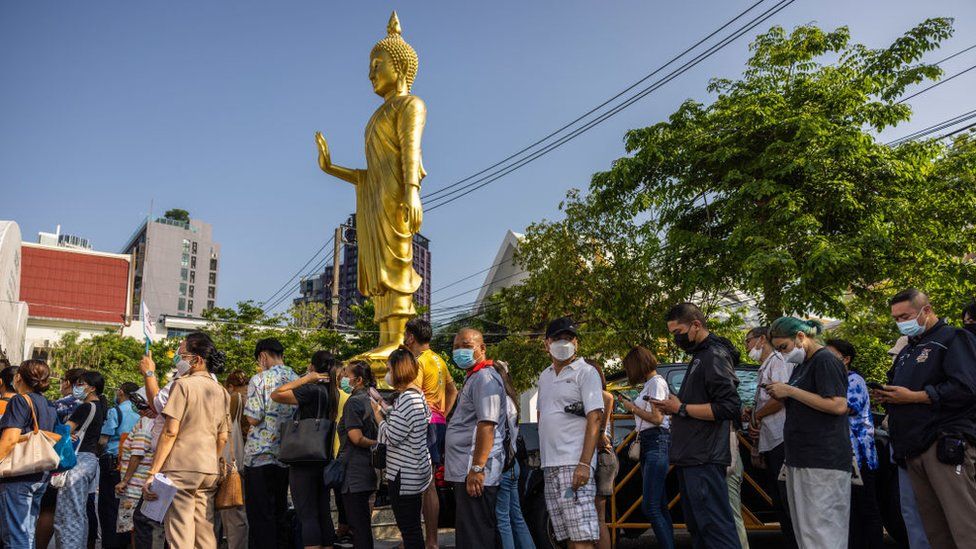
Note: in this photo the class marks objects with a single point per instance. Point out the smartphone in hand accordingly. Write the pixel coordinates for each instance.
(876, 386)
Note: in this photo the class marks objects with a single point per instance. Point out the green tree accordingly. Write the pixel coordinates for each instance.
(778, 189)
(176, 214)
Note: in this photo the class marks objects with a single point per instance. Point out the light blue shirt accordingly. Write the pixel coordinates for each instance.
(114, 428)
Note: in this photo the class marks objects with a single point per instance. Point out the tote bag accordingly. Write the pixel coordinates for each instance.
(33, 453)
(305, 440)
(230, 493)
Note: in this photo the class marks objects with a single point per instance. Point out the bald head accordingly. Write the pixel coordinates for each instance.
(470, 338)
(914, 296)
(913, 304)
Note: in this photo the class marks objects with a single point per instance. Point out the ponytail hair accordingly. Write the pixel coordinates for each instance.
(789, 326)
(200, 344)
(362, 370)
(96, 381)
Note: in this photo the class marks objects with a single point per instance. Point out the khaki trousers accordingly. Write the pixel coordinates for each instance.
(946, 498)
(189, 520)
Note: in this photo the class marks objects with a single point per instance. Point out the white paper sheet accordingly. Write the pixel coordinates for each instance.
(164, 490)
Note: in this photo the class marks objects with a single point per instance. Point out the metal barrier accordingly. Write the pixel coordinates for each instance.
(621, 521)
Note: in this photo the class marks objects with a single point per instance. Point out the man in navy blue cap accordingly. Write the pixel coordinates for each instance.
(570, 417)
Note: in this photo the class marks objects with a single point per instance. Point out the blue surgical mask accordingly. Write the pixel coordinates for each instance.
(464, 358)
(78, 392)
(345, 385)
(911, 327)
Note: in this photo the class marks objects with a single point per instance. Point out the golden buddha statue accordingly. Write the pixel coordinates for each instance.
(388, 208)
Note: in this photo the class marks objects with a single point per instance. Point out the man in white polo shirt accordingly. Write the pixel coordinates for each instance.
(570, 417)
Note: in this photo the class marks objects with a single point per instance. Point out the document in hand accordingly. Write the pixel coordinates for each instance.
(164, 490)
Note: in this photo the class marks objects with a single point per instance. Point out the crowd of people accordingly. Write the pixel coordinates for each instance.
(810, 423)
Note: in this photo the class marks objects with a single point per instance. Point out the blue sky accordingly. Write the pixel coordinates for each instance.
(211, 106)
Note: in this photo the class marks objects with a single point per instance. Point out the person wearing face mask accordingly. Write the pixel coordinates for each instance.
(436, 382)
(701, 415)
(120, 419)
(71, 522)
(768, 417)
(475, 442)
(931, 402)
(816, 434)
(358, 432)
(189, 451)
(568, 442)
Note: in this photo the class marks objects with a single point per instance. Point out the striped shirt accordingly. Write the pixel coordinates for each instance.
(405, 434)
(138, 443)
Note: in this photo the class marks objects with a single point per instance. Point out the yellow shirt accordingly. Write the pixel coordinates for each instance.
(343, 397)
(432, 379)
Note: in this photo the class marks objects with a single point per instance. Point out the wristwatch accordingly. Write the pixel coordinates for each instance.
(150, 373)
(477, 469)
(683, 410)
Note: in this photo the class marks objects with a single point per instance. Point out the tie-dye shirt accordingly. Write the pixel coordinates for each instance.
(862, 425)
(262, 443)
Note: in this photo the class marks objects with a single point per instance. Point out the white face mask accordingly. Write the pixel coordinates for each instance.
(796, 356)
(389, 379)
(755, 354)
(562, 350)
(182, 367)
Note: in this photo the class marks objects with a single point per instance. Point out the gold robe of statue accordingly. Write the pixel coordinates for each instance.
(388, 208)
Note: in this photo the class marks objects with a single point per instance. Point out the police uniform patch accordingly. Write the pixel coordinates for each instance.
(923, 356)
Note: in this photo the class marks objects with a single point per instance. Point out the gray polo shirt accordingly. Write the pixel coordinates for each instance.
(482, 398)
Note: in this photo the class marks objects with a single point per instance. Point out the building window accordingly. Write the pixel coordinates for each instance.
(211, 292)
(184, 273)
(186, 246)
(210, 304)
(213, 263)
(193, 277)
(213, 278)
(182, 288)
(194, 248)
(185, 261)
(191, 290)
(189, 306)
(182, 304)
(193, 262)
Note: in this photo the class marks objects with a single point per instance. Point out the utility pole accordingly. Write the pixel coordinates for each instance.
(337, 245)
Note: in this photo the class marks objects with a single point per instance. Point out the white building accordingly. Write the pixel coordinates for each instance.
(13, 311)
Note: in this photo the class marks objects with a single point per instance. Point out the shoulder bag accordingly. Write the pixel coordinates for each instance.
(305, 440)
(230, 493)
(33, 453)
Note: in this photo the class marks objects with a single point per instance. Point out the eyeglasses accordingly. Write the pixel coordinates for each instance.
(782, 347)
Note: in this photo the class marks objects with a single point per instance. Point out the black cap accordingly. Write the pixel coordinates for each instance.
(271, 345)
(561, 325)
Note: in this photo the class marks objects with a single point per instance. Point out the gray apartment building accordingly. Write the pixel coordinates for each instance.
(318, 288)
(176, 266)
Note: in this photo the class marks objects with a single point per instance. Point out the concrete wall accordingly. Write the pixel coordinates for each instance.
(13, 312)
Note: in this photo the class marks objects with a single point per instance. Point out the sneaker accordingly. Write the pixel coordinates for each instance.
(344, 541)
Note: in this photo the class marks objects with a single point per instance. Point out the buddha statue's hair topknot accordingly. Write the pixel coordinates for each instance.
(404, 57)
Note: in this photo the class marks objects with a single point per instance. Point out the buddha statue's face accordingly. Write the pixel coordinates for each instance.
(383, 73)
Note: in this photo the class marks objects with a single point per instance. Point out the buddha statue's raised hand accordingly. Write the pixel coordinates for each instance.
(325, 159)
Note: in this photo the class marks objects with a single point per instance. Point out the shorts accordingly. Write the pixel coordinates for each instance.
(127, 511)
(574, 517)
(607, 467)
(436, 434)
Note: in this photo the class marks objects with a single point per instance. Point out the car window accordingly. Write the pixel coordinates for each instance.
(747, 384)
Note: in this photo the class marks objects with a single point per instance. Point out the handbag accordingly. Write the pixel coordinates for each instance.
(305, 440)
(33, 453)
(230, 493)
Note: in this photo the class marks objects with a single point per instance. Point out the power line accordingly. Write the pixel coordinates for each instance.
(957, 54)
(469, 277)
(934, 128)
(936, 85)
(479, 183)
(319, 267)
(300, 269)
(594, 109)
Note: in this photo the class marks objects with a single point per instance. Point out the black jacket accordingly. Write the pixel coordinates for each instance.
(710, 378)
(941, 362)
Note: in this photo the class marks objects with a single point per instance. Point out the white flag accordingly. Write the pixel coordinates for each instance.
(148, 322)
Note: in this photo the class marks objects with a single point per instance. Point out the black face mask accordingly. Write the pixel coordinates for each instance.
(684, 342)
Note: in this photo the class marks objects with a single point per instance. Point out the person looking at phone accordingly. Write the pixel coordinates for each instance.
(567, 442)
(654, 438)
(701, 415)
(931, 402)
(358, 433)
(818, 447)
(767, 419)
